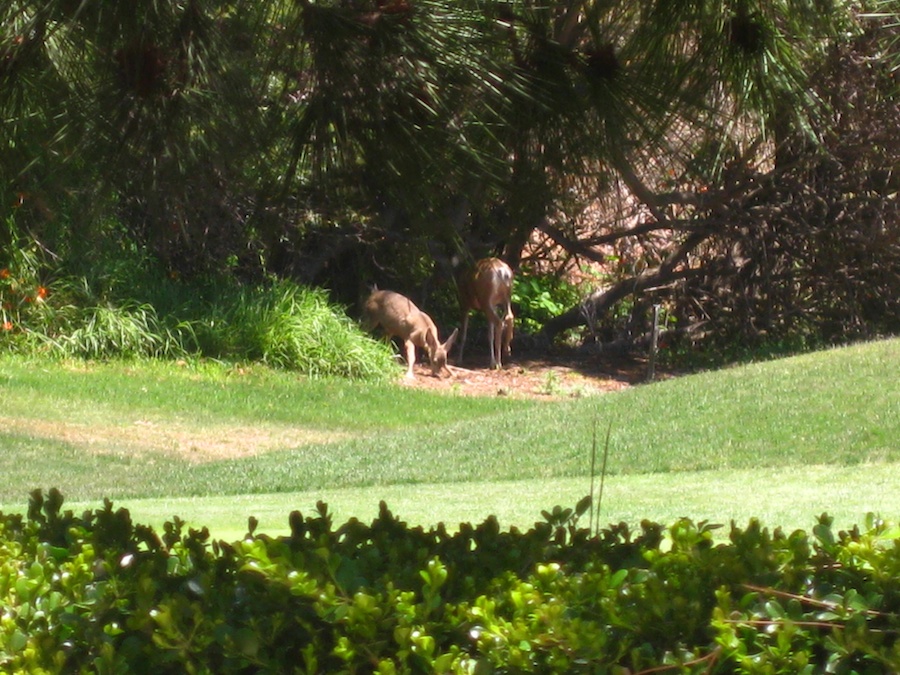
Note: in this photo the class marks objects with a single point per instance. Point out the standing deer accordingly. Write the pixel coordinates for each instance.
(399, 317)
(488, 287)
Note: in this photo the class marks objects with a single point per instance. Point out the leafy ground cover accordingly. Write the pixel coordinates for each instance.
(102, 593)
(192, 437)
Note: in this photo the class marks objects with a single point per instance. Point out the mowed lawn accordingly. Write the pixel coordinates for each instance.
(782, 441)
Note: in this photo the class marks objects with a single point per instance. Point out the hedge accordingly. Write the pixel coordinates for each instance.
(98, 593)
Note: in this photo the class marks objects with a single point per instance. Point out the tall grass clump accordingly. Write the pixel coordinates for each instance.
(126, 306)
(293, 327)
(71, 320)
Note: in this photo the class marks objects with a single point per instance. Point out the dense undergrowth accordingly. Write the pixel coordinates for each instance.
(117, 301)
(99, 593)
(130, 309)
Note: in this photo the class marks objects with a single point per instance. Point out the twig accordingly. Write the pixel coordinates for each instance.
(459, 369)
(824, 604)
(712, 657)
(654, 345)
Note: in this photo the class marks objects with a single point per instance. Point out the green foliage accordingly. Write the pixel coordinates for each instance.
(101, 330)
(125, 305)
(288, 326)
(540, 297)
(21, 290)
(42, 311)
(100, 593)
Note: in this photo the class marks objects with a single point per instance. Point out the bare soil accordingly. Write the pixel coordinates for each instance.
(561, 374)
(197, 444)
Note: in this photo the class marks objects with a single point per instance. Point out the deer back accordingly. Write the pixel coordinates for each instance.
(399, 317)
(487, 284)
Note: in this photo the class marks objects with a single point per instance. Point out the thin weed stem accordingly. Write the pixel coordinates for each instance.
(602, 470)
(593, 465)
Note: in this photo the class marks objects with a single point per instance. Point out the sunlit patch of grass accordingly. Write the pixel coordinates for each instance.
(778, 498)
(839, 408)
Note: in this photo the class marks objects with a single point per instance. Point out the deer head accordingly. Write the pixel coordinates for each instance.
(488, 287)
(399, 317)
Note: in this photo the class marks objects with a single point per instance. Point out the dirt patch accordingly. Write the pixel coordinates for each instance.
(556, 376)
(179, 440)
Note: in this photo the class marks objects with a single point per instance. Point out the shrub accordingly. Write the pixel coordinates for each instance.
(129, 308)
(289, 326)
(21, 292)
(540, 297)
(98, 593)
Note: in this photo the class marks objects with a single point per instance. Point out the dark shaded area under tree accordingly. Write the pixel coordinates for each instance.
(342, 144)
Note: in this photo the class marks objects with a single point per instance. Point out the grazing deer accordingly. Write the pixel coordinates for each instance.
(488, 287)
(399, 317)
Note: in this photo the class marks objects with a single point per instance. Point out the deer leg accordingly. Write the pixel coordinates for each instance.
(410, 358)
(462, 335)
(495, 335)
(508, 326)
(507, 336)
(499, 333)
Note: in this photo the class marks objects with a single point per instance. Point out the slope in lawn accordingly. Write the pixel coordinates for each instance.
(837, 407)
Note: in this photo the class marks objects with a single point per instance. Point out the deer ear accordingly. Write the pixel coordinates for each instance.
(450, 340)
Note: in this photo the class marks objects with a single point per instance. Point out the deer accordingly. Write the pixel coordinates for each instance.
(399, 317)
(487, 287)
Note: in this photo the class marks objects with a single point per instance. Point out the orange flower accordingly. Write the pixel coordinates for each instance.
(42, 292)
(4, 273)
(7, 325)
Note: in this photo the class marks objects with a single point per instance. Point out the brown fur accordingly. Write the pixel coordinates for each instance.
(399, 317)
(488, 287)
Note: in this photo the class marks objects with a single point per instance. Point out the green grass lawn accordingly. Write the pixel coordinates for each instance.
(791, 500)
(783, 441)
